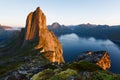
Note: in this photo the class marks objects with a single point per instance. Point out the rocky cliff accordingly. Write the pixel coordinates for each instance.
(36, 29)
(105, 61)
(101, 58)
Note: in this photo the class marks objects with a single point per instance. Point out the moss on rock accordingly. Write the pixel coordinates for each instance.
(44, 75)
(64, 75)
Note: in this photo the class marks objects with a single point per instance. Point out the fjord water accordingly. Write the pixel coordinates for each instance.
(73, 45)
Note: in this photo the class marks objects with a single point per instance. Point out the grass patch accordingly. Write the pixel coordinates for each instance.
(83, 66)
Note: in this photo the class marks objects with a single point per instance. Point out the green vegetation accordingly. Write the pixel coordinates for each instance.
(64, 75)
(77, 71)
(14, 61)
(4, 69)
(83, 66)
(17, 56)
(97, 75)
(44, 75)
(50, 74)
(102, 75)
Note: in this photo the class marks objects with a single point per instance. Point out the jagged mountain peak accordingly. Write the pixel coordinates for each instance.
(36, 29)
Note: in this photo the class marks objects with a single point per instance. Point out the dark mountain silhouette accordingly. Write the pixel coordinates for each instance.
(55, 25)
(5, 27)
(90, 30)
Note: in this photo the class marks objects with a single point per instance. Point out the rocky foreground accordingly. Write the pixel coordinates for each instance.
(83, 68)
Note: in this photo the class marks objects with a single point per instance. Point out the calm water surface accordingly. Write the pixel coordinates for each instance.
(74, 45)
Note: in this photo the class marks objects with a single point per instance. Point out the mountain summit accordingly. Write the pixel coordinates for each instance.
(55, 25)
(36, 29)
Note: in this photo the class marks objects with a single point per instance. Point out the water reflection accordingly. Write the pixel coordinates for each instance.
(73, 45)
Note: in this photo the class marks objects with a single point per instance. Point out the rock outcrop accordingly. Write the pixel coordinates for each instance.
(100, 58)
(36, 29)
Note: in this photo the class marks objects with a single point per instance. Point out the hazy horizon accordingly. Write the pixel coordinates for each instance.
(74, 12)
(67, 25)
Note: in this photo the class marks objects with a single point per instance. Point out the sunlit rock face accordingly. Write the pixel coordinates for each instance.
(101, 58)
(36, 29)
(105, 61)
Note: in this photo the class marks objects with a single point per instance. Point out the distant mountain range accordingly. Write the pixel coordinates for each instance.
(83, 30)
(88, 30)
(5, 27)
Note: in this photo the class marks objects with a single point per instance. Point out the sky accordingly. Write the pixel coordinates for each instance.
(67, 12)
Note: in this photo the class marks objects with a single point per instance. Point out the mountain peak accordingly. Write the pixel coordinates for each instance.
(38, 8)
(55, 25)
(37, 30)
